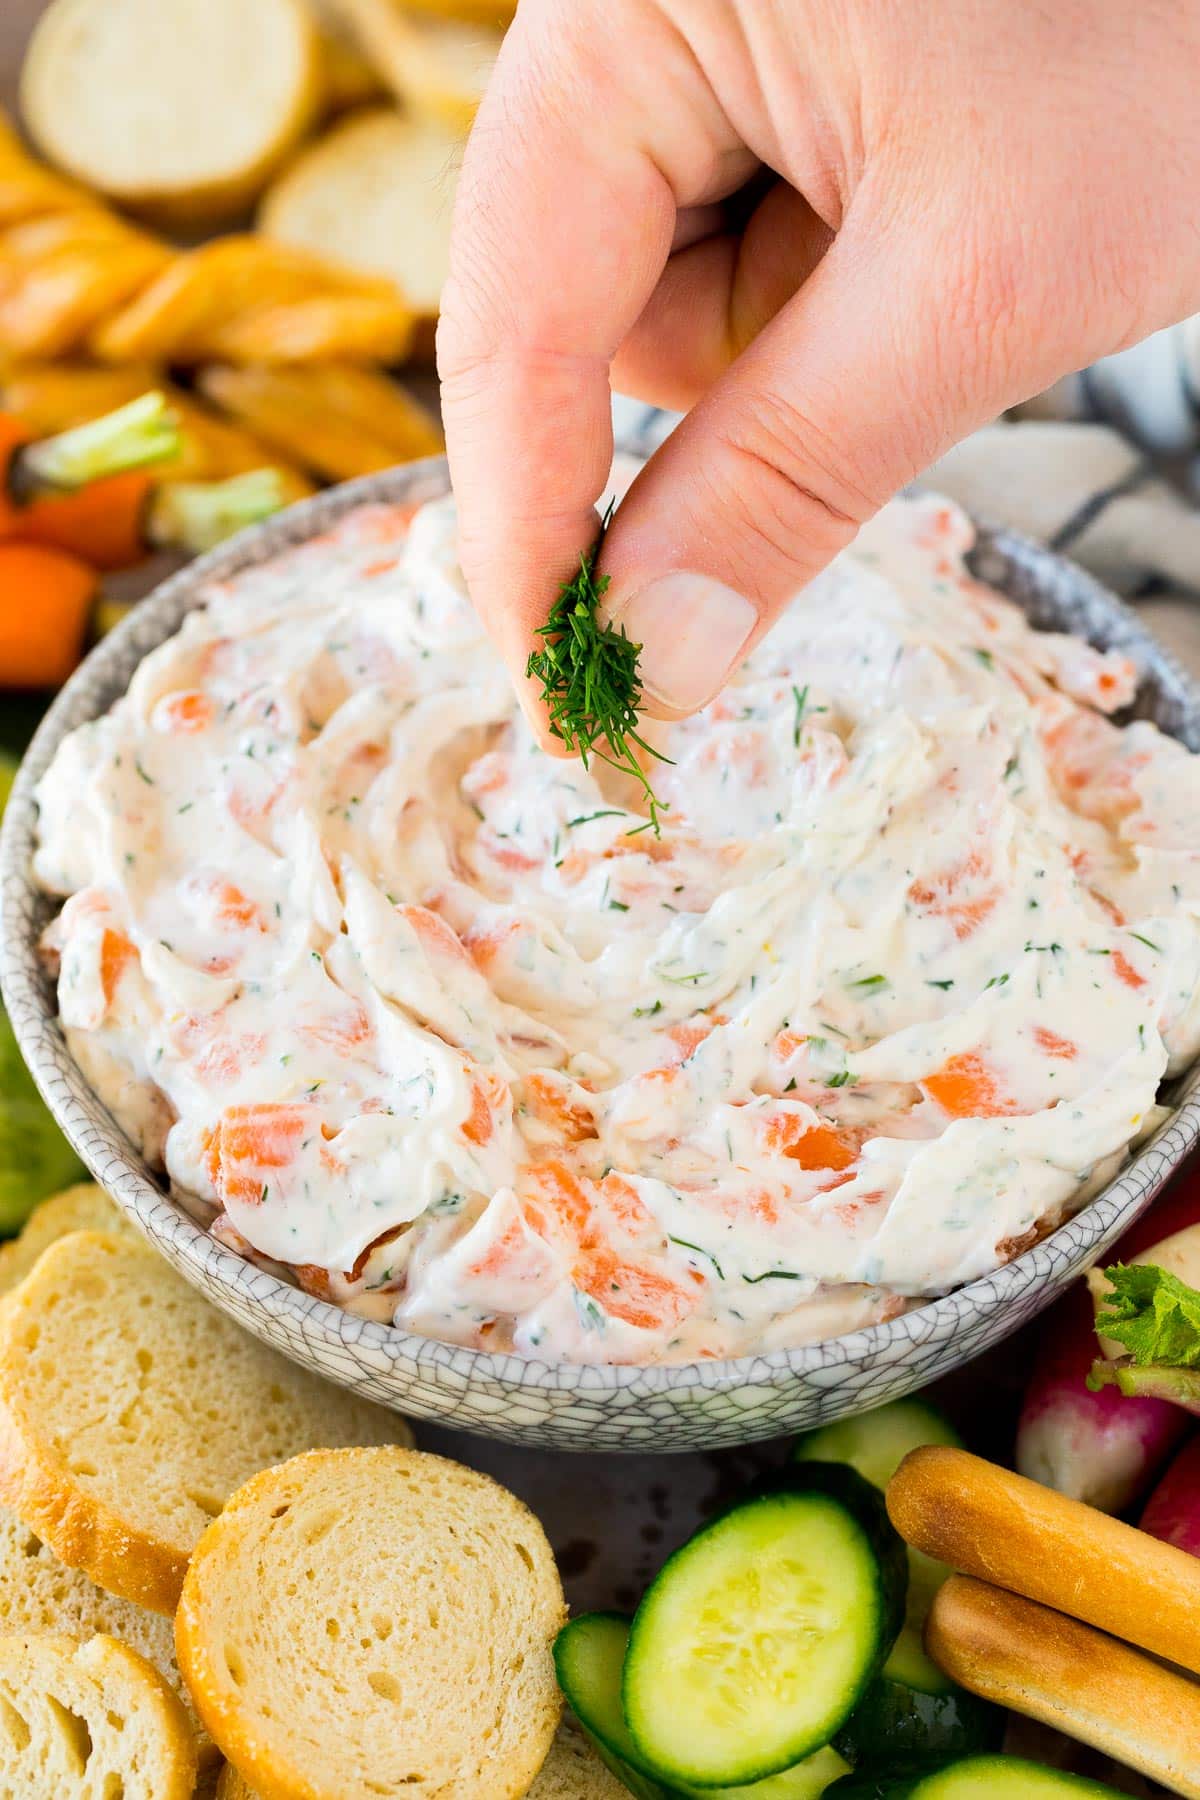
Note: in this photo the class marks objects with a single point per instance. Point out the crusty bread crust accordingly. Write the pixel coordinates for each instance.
(988, 1522)
(130, 1409)
(1041, 1663)
(406, 1602)
(139, 1733)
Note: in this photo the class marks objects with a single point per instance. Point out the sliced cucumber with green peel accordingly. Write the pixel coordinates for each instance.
(876, 1443)
(589, 1656)
(894, 1719)
(973, 1778)
(759, 1637)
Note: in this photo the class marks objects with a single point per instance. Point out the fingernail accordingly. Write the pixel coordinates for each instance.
(692, 630)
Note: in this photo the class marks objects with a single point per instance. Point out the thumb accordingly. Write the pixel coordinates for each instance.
(853, 389)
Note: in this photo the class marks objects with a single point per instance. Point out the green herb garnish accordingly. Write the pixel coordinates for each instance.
(590, 682)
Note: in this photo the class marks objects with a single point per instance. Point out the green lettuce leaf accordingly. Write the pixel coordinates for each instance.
(1153, 1314)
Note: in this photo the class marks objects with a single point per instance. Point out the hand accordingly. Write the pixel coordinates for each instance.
(936, 212)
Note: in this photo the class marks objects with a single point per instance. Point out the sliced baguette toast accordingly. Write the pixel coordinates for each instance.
(437, 66)
(85, 1207)
(376, 192)
(572, 1771)
(130, 1409)
(82, 1721)
(374, 1621)
(181, 108)
(38, 1594)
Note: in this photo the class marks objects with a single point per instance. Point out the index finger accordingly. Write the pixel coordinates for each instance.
(562, 227)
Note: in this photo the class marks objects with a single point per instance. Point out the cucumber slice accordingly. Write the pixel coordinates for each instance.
(589, 1655)
(759, 1636)
(876, 1443)
(8, 774)
(895, 1720)
(975, 1778)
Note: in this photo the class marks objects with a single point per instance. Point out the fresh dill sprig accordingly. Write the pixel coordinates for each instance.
(590, 682)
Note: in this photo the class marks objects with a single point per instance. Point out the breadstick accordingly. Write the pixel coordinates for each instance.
(988, 1522)
(1051, 1668)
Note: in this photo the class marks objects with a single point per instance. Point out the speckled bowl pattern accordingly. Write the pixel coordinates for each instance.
(694, 1405)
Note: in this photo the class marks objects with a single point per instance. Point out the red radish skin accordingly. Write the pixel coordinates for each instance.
(1173, 1509)
(1104, 1449)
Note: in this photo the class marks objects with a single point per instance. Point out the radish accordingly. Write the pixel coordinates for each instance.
(1102, 1448)
(1173, 1509)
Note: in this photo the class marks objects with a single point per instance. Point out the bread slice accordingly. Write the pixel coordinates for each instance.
(1049, 1667)
(89, 1721)
(348, 77)
(375, 1621)
(376, 192)
(130, 1409)
(182, 108)
(38, 1594)
(85, 1207)
(499, 13)
(436, 66)
(573, 1771)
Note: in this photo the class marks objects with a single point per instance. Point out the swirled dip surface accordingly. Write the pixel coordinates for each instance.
(420, 1014)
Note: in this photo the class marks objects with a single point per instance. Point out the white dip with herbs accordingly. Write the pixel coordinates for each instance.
(406, 1002)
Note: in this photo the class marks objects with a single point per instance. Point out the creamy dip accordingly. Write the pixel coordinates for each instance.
(419, 1013)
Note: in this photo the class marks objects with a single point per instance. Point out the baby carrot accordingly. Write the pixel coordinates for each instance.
(44, 599)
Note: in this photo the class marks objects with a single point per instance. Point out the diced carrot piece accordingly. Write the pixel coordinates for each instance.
(559, 1189)
(235, 908)
(967, 1089)
(189, 711)
(116, 954)
(641, 1297)
(488, 1095)
(689, 1035)
(434, 933)
(314, 1280)
(486, 942)
(252, 1141)
(552, 1101)
(812, 1146)
(1053, 1045)
(1126, 972)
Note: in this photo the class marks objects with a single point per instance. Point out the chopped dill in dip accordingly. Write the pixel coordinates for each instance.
(429, 1017)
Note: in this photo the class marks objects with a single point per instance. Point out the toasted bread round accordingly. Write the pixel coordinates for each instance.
(130, 1410)
(85, 1207)
(80, 1720)
(573, 1771)
(365, 1622)
(182, 108)
(38, 1594)
(376, 192)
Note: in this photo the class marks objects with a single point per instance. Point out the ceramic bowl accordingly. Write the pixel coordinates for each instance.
(690, 1405)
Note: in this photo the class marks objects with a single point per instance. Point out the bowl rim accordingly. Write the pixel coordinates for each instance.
(105, 1150)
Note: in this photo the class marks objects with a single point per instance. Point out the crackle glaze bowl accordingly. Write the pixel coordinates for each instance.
(676, 1407)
